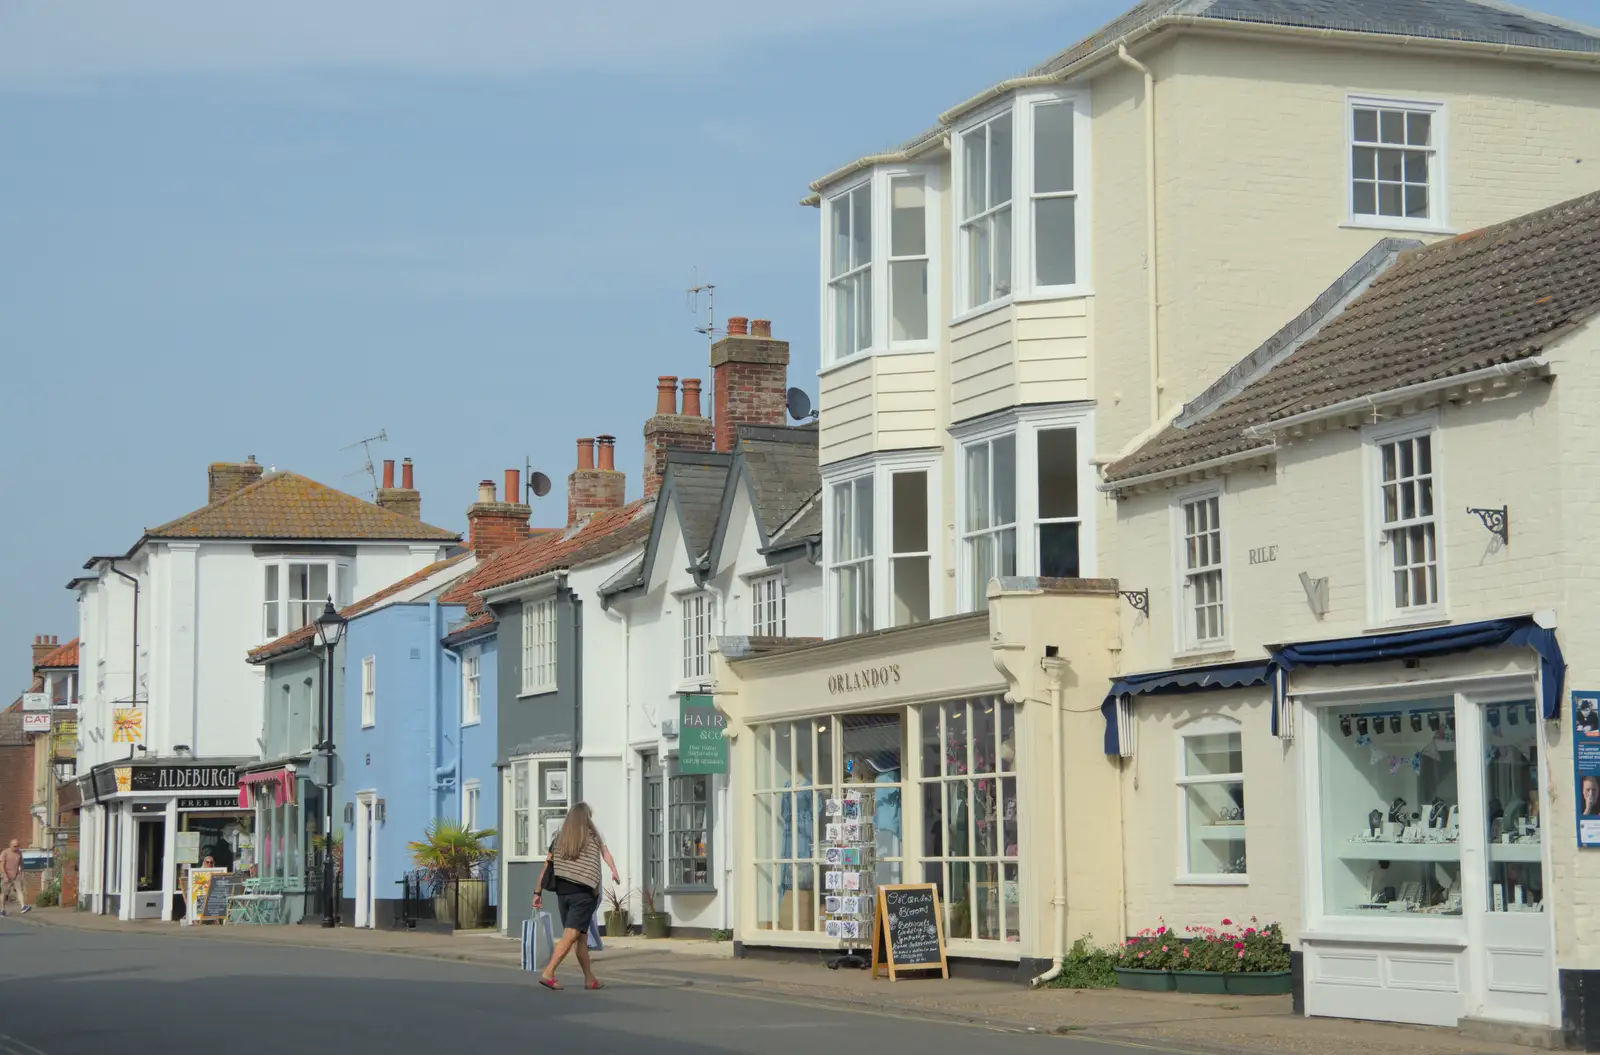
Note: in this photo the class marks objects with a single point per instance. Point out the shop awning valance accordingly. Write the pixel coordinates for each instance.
(1519, 632)
(278, 782)
(1190, 679)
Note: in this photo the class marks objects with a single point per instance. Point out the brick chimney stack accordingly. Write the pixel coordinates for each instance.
(670, 430)
(750, 379)
(405, 499)
(592, 489)
(224, 478)
(43, 645)
(493, 525)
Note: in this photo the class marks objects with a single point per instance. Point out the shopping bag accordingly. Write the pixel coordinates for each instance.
(538, 940)
(595, 944)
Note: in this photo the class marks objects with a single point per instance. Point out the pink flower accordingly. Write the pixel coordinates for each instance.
(1186, 954)
(1161, 930)
(1241, 956)
(1163, 948)
(1227, 923)
(1141, 956)
(1239, 945)
(1248, 931)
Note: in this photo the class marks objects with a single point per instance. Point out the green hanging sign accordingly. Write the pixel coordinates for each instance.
(701, 747)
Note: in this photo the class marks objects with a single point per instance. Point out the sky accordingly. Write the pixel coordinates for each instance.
(232, 228)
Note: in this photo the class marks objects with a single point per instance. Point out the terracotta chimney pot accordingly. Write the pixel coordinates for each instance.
(738, 326)
(666, 395)
(388, 472)
(691, 397)
(585, 454)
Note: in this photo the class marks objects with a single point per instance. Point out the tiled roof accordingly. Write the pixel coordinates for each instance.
(289, 506)
(602, 535)
(303, 636)
(1490, 297)
(1475, 21)
(63, 658)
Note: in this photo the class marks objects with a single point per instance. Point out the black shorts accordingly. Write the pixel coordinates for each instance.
(577, 904)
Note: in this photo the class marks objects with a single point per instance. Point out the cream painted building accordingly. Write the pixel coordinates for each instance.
(1370, 542)
(1023, 295)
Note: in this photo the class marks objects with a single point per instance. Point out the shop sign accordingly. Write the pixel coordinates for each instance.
(218, 802)
(36, 723)
(36, 701)
(701, 746)
(122, 779)
(848, 681)
(1586, 765)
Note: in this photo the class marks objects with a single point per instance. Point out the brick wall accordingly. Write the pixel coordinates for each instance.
(16, 793)
(492, 526)
(750, 379)
(593, 491)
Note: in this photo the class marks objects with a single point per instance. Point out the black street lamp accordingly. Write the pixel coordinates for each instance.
(330, 631)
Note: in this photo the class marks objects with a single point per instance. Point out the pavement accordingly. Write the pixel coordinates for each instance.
(680, 995)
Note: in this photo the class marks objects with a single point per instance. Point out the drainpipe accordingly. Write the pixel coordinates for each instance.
(435, 719)
(1054, 667)
(133, 676)
(1152, 288)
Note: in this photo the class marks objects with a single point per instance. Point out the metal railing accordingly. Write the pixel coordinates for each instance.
(420, 887)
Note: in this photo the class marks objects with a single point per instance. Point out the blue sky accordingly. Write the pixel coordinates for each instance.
(275, 229)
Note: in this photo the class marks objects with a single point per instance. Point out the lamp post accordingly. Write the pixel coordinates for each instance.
(330, 631)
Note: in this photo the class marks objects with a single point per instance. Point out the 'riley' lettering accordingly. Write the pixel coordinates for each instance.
(861, 680)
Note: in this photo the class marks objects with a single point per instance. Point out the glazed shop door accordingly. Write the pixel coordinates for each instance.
(150, 862)
(653, 830)
(1503, 869)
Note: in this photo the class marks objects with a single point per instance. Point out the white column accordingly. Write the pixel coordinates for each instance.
(127, 858)
(169, 863)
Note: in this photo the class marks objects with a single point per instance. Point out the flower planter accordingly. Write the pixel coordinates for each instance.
(1259, 983)
(657, 925)
(1201, 981)
(473, 899)
(1144, 981)
(616, 924)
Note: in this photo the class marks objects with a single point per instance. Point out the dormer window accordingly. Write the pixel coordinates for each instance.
(879, 267)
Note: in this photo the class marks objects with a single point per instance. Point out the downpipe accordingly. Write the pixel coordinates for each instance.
(1052, 667)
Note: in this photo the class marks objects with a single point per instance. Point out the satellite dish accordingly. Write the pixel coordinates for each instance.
(539, 484)
(799, 405)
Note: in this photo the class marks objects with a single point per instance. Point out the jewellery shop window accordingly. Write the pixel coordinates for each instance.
(969, 815)
(1511, 797)
(1391, 825)
(827, 819)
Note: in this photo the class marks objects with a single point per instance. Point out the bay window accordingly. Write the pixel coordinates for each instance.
(880, 269)
(1025, 482)
(1020, 173)
(879, 551)
(850, 569)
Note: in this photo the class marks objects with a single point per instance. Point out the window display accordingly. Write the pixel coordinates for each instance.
(1391, 822)
(1511, 802)
(1212, 780)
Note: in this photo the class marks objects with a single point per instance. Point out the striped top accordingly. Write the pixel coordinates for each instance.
(585, 868)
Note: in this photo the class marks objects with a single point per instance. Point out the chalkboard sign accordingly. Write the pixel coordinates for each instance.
(222, 888)
(909, 930)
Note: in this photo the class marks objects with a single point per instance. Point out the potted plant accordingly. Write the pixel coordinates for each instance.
(1204, 961)
(656, 924)
(454, 854)
(616, 913)
(1263, 963)
(1145, 960)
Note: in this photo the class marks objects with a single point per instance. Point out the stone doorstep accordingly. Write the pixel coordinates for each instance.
(1545, 1038)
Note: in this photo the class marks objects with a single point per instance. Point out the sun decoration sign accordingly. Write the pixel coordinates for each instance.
(127, 725)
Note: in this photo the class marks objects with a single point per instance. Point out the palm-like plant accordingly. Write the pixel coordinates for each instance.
(452, 851)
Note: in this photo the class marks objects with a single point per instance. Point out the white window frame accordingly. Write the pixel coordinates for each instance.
(769, 604)
(1186, 638)
(1023, 201)
(881, 183)
(281, 605)
(536, 808)
(471, 701)
(1382, 611)
(539, 635)
(882, 467)
(1438, 218)
(1211, 725)
(845, 199)
(471, 803)
(833, 561)
(1027, 423)
(369, 692)
(698, 618)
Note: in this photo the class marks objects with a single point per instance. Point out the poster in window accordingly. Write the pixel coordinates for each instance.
(1586, 765)
(555, 785)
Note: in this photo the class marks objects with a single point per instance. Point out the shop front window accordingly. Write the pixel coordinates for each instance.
(968, 783)
(1511, 800)
(1212, 785)
(1390, 810)
(689, 832)
(800, 766)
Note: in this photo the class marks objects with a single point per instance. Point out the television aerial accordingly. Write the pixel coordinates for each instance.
(366, 448)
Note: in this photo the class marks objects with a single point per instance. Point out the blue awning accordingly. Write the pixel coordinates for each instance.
(1190, 679)
(1520, 632)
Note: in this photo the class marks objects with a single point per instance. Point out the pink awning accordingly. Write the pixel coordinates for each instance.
(280, 781)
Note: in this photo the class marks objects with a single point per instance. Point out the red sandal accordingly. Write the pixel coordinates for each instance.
(551, 983)
(596, 984)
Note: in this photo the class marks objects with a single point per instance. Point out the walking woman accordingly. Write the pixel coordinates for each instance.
(573, 872)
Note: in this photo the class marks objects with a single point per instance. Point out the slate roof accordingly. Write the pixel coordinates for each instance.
(598, 537)
(1497, 295)
(1479, 21)
(806, 525)
(63, 658)
(784, 473)
(300, 638)
(697, 481)
(287, 505)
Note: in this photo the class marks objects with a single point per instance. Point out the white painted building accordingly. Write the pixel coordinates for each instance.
(168, 704)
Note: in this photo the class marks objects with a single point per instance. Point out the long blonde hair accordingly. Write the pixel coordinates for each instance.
(576, 831)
